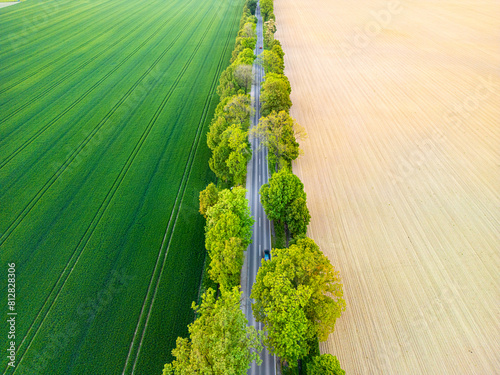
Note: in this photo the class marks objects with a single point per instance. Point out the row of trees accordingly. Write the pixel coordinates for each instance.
(220, 342)
(228, 132)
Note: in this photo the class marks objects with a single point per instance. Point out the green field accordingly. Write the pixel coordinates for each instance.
(104, 105)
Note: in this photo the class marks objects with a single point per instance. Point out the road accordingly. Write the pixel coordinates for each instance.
(261, 238)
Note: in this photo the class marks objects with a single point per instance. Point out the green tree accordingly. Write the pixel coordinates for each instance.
(325, 364)
(220, 342)
(228, 234)
(266, 8)
(235, 201)
(273, 62)
(230, 157)
(275, 95)
(284, 200)
(227, 85)
(208, 198)
(299, 278)
(279, 132)
(252, 4)
(248, 30)
(231, 110)
(237, 110)
(269, 30)
(226, 250)
(245, 57)
(243, 76)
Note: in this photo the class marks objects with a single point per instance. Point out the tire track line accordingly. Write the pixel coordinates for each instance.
(175, 211)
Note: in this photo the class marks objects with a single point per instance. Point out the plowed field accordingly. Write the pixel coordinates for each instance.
(401, 102)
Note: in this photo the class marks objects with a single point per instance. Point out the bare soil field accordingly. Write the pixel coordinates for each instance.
(401, 102)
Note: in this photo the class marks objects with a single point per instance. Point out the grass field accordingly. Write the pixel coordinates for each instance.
(104, 107)
(401, 103)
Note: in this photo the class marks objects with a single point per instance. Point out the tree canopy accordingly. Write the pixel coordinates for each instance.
(284, 200)
(219, 342)
(227, 235)
(273, 62)
(325, 364)
(231, 155)
(298, 296)
(208, 198)
(279, 132)
(275, 95)
(266, 8)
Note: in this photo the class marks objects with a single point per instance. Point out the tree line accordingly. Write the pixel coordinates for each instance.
(220, 342)
(298, 294)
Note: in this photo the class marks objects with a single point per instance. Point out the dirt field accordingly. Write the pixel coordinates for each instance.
(401, 102)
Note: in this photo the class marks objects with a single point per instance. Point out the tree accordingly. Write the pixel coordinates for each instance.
(269, 30)
(252, 4)
(266, 7)
(228, 234)
(272, 62)
(242, 44)
(278, 50)
(286, 325)
(284, 200)
(230, 157)
(248, 30)
(299, 279)
(275, 96)
(237, 110)
(297, 217)
(231, 110)
(235, 201)
(245, 57)
(325, 364)
(208, 198)
(227, 86)
(220, 342)
(226, 250)
(243, 76)
(279, 133)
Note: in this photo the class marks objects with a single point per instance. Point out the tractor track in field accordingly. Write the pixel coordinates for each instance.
(70, 52)
(175, 211)
(83, 143)
(75, 71)
(104, 205)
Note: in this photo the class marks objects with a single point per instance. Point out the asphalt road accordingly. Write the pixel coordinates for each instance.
(257, 175)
